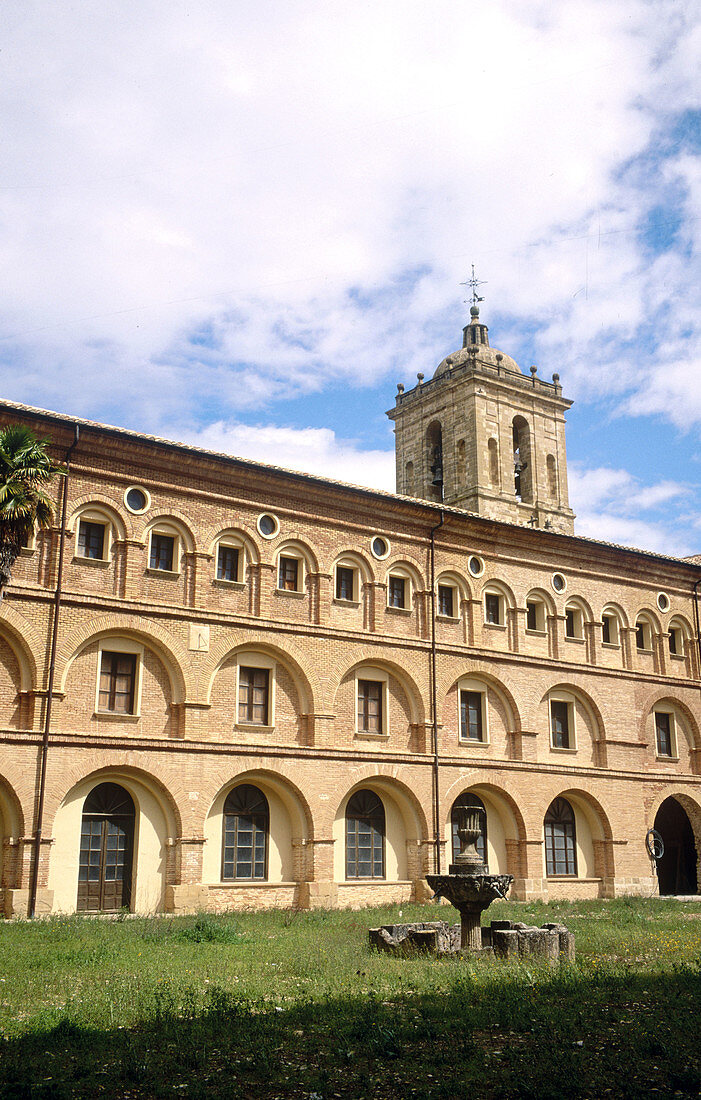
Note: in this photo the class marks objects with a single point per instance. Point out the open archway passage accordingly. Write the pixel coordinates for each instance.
(676, 870)
(106, 850)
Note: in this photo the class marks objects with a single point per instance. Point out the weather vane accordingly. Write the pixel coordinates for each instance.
(473, 283)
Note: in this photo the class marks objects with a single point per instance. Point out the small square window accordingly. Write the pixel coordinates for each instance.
(345, 582)
(162, 551)
(91, 540)
(228, 563)
(288, 574)
(396, 595)
(560, 723)
(446, 601)
(117, 682)
(471, 728)
(663, 733)
(254, 694)
(492, 608)
(370, 706)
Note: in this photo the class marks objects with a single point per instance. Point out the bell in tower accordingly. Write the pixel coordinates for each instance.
(480, 435)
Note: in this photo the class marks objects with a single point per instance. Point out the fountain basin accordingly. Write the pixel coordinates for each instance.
(471, 894)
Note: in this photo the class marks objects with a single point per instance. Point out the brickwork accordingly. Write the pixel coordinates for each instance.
(183, 747)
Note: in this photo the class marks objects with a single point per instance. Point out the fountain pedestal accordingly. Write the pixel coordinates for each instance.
(468, 885)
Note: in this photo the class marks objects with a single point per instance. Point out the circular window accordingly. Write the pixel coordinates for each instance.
(663, 601)
(558, 582)
(475, 565)
(268, 525)
(379, 547)
(136, 499)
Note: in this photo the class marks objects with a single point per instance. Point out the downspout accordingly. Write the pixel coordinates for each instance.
(697, 618)
(434, 704)
(34, 881)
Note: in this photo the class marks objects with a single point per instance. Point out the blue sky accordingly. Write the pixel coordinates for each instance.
(241, 225)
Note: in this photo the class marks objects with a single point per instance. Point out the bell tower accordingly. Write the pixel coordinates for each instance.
(480, 435)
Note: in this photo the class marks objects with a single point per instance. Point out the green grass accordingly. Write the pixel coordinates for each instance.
(295, 1004)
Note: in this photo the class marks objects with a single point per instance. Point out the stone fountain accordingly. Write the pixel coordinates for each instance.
(468, 885)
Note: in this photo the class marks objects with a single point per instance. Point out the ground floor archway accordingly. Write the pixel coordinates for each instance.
(676, 870)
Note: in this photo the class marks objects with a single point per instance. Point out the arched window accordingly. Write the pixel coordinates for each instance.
(469, 800)
(560, 839)
(106, 850)
(365, 836)
(245, 840)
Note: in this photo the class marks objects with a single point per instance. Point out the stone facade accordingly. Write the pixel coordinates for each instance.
(334, 641)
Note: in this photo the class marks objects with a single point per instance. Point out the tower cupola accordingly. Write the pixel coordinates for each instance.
(482, 436)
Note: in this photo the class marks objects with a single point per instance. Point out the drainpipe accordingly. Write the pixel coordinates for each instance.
(434, 703)
(697, 618)
(34, 881)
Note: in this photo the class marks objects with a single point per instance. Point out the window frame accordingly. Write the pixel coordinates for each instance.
(540, 616)
(678, 639)
(396, 577)
(165, 530)
(643, 629)
(252, 660)
(574, 614)
(567, 700)
(671, 733)
(234, 847)
(372, 877)
(85, 519)
(494, 594)
(609, 617)
(126, 647)
(444, 587)
(291, 554)
(470, 686)
(551, 870)
(348, 568)
(230, 544)
(372, 675)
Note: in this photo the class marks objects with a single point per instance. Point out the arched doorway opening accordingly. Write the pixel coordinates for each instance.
(106, 850)
(676, 870)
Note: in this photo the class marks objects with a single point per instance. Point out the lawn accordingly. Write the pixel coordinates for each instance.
(285, 1004)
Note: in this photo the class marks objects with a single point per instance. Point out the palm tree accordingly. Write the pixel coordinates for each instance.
(25, 470)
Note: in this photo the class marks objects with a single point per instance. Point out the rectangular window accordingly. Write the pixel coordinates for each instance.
(492, 608)
(397, 592)
(288, 574)
(560, 723)
(471, 716)
(675, 642)
(344, 582)
(570, 623)
(446, 601)
(254, 692)
(663, 732)
(228, 563)
(531, 616)
(91, 540)
(117, 682)
(606, 629)
(641, 636)
(162, 552)
(370, 706)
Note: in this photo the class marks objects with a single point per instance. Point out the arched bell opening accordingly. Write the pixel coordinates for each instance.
(434, 463)
(523, 465)
(677, 868)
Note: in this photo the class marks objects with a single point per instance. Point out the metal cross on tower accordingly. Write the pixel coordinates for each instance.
(473, 283)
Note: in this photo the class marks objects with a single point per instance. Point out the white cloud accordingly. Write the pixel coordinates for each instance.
(310, 450)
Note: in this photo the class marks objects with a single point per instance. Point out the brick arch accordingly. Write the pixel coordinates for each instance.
(14, 818)
(123, 524)
(24, 642)
(172, 652)
(377, 656)
(274, 774)
(178, 520)
(299, 546)
(661, 696)
(389, 775)
(585, 698)
(445, 683)
(573, 599)
(213, 534)
(542, 594)
(498, 793)
(498, 587)
(690, 805)
(237, 640)
(357, 557)
(110, 773)
(599, 813)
